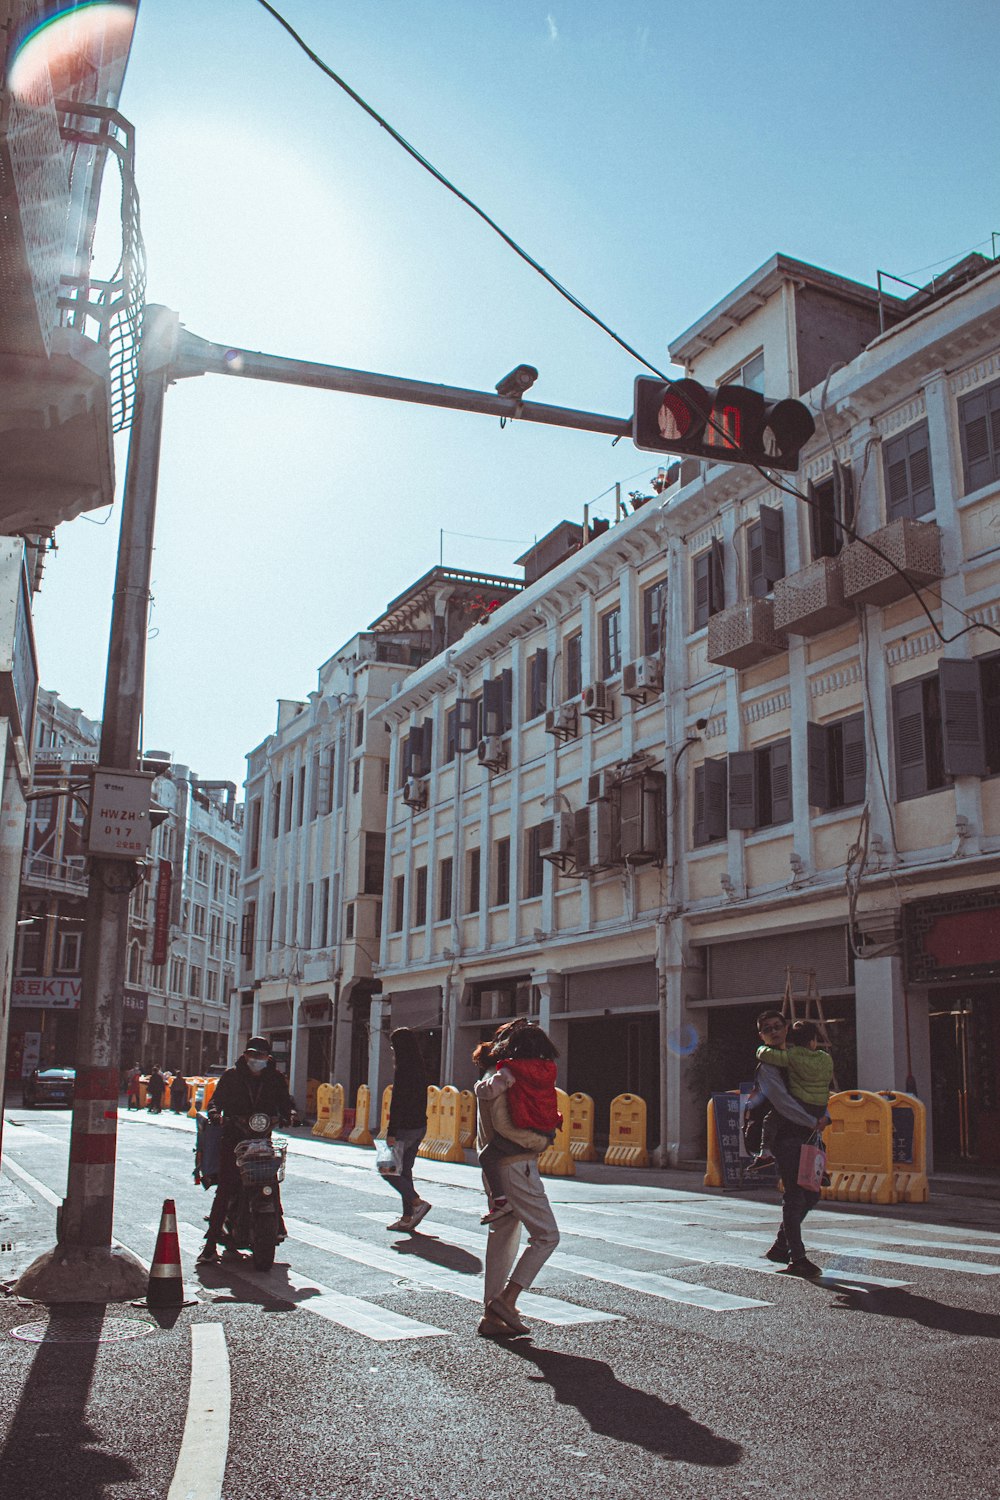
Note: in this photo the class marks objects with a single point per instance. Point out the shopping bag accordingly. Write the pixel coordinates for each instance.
(388, 1159)
(812, 1165)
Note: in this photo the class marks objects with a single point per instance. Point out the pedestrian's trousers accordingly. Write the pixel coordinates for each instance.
(529, 1201)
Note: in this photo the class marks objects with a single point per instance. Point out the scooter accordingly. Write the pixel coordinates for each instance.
(254, 1221)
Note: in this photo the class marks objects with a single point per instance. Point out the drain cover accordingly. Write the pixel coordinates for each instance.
(81, 1331)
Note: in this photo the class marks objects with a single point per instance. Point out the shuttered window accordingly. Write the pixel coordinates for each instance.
(916, 711)
(420, 896)
(538, 675)
(710, 795)
(501, 873)
(979, 421)
(654, 601)
(493, 706)
(760, 786)
(574, 666)
(765, 551)
(611, 643)
(534, 865)
(444, 890)
(837, 763)
(707, 583)
(830, 502)
(474, 870)
(907, 465)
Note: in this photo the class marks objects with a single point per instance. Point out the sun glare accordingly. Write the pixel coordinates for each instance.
(72, 48)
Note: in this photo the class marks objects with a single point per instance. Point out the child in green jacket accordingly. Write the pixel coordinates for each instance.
(810, 1074)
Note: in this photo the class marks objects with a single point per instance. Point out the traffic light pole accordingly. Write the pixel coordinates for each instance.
(85, 1266)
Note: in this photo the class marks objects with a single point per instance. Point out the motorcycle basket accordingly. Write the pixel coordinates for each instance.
(261, 1162)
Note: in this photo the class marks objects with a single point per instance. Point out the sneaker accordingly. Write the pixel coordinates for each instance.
(762, 1162)
(498, 1211)
(419, 1211)
(397, 1224)
(778, 1252)
(802, 1267)
(209, 1256)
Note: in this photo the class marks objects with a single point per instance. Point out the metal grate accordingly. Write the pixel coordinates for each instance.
(911, 546)
(34, 189)
(745, 634)
(811, 600)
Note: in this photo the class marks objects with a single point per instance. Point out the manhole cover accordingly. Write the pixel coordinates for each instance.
(81, 1331)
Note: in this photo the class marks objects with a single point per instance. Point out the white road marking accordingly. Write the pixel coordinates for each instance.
(437, 1278)
(666, 1287)
(201, 1462)
(32, 1182)
(902, 1240)
(902, 1258)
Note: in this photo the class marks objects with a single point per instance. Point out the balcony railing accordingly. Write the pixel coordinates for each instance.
(745, 634)
(39, 869)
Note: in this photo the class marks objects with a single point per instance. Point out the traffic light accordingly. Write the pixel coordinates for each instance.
(732, 424)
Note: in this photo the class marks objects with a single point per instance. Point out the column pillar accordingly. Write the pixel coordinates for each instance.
(551, 987)
(298, 1062)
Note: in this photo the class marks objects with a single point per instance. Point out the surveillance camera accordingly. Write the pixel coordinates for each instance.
(517, 382)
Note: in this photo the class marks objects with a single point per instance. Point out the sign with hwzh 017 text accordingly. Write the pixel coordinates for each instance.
(119, 814)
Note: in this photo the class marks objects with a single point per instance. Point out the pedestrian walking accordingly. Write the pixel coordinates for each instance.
(407, 1123)
(524, 1191)
(155, 1086)
(178, 1093)
(132, 1086)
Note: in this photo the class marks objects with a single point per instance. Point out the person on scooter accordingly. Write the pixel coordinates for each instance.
(254, 1086)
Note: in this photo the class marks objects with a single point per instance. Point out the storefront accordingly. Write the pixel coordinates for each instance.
(44, 1022)
(952, 948)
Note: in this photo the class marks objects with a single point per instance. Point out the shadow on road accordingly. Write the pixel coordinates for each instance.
(237, 1282)
(49, 1438)
(891, 1302)
(439, 1253)
(616, 1410)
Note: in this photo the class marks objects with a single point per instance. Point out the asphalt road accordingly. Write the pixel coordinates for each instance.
(667, 1357)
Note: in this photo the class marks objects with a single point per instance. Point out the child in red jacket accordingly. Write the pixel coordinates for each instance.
(526, 1074)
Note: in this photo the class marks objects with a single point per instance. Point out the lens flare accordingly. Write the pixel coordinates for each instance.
(684, 1040)
(73, 48)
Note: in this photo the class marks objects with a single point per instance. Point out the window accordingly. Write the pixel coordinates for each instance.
(498, 703)
(611, 642)
(444, 890)
(276, 810)
(198, 921)
(450, 734)
(349, 920)
(760, 786)
(307, 916)
(654, 601)
(501, 872)
(214, 933)
(323, 936)
(830, 501)
(979, 421)
(201, 866)
(474, 871)
(211, 985)
(906, 462)
(232, 880)
(289, 787)
(947, 725)
(246, 930)
(230, 939)
(374, 870)
(708, 584)
(356, 782)
(415, 751)
(359, 729)
(534, 866)
(255, 833)
(468, 723)
(574, 666)
(420, 896)
(750, 374)
(711, 783)
(538, 685)
(837, 763)
(176, 976)
(68, 955)
(765, 552)
(270, 922)
(398, 903)
(194, 982)
(385, 778)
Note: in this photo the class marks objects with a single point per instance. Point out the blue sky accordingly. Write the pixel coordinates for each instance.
(650, 154)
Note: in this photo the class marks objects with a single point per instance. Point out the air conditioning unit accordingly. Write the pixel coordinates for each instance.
(556, 837)
(491, 752)
(561, 721)
(594, 838)
(642, 679)
(415, 792)
(596, 702)
(599, 783)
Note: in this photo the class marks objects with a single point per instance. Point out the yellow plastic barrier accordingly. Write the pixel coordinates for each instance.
(556, 1160)
(361, 1135)
(433, 1121)
(210, 1086)
(445, 1145)
(859, 1149)
(324, 1103)
(581, 1127)
(383, 1119)
(627, 1141)
(333, 1127)
(467, 1120)
(909, 1152)
(713, 1157)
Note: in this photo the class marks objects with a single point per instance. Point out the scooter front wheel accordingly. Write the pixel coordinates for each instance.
(265, 1240)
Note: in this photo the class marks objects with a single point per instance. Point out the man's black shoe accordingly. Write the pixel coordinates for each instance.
(209, 1255)
(804, 1268)
(778, 1252)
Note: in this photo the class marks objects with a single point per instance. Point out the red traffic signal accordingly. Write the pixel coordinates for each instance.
(732, 424)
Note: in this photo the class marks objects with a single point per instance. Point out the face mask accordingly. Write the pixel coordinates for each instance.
(256, 1064)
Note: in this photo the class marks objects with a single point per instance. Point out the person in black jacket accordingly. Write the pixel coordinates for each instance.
(407, 1122)
(254, 1086)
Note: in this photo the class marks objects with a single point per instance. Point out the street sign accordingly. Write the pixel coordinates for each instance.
(118, 827)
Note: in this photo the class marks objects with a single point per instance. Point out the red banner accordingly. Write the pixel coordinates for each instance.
(161, 922)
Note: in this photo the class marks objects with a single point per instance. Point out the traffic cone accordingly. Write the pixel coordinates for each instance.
(166, 1280)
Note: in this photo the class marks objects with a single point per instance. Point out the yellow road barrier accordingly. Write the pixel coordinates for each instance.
(909, 1147)
(433, 1121)
(361, 1135)
(324, 1103)
(581, 1127)
(383, 1119)
(859, 1149)
(333, 1127)
(627, 1140)
(467, 1120)
(556, 1160)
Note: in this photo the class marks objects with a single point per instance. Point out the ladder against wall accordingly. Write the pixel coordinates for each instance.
(803, 1002)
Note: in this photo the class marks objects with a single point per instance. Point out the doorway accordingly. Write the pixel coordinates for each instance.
(965, 1052)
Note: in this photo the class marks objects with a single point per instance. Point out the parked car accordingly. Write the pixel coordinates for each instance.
(48, 1086)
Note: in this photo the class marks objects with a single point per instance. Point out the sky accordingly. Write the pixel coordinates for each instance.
(651, 154)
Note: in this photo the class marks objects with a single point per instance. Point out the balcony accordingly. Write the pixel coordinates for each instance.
(812, 600)
(744, 635)
(66, 876)
(913, 546)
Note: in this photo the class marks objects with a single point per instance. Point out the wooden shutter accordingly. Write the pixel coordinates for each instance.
(756, 572)
(324, 769)
(699, 834)
(539, 682)
(493, 706)
(716, 577)
(781, 781)
(855, 759)
(817, 541)
(467, 723)
(979, 418)
(507, 697)
(818, 757)
(908, 718)
(772, 527)
(426, 747)
(907, 460)
(843, 502)
(700, 585)
(716, 786)
(742, 790)
(962, 724)
(405, 746)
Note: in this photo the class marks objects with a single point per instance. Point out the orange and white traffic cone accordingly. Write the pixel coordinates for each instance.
(166, 1279)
